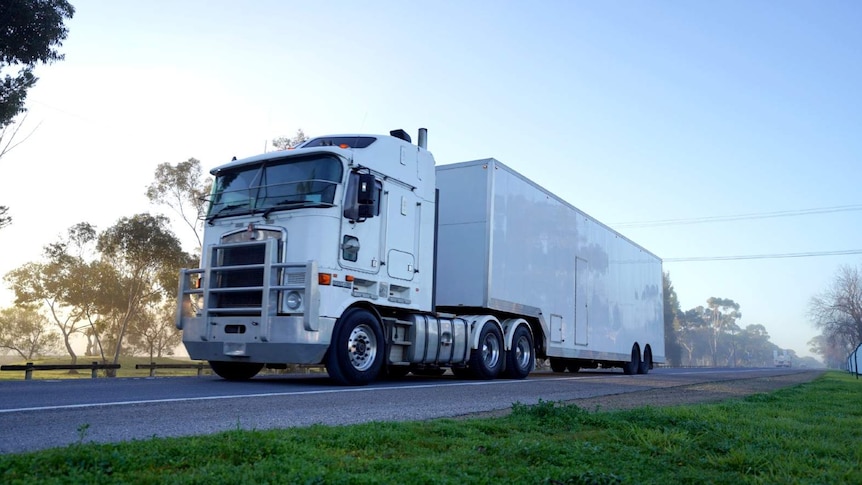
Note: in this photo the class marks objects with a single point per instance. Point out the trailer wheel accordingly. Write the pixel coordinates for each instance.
(520, 359)
(632, 367)
(486, 362)
(573, 367)
(355, 355)
(646, 364)
(558, 365)
(235, 371)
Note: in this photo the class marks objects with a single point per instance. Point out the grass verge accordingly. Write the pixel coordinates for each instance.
(811, 433)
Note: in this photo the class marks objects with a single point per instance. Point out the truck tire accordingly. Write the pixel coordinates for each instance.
(558, 365)
(520, 358)
(355, 355)
(646, 364)
(573, 366)
(235, 371)
(486, 362)
(631, 367)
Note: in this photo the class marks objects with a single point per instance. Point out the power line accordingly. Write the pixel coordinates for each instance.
(738, 217)
(764, 256)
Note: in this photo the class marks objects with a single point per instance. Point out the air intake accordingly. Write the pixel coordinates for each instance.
(401, 134)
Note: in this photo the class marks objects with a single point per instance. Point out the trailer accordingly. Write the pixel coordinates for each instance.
(510, 247)
(358, 252)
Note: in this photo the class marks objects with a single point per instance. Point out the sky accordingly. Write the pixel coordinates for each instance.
(634, 112)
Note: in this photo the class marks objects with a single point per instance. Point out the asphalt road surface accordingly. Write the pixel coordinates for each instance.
(42, 414)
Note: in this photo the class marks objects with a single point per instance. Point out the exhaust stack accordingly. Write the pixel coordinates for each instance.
(423, 138)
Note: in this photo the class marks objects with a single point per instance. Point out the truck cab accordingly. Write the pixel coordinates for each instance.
(296, 238)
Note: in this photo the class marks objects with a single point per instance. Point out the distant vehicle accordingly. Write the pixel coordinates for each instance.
(781, 358)
(358, 252)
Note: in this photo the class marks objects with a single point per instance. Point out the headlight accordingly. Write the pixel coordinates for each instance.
(294, 300)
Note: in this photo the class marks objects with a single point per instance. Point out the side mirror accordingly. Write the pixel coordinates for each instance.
(365, 194)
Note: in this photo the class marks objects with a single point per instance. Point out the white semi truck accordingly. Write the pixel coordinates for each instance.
(781, 358)
(359, 253)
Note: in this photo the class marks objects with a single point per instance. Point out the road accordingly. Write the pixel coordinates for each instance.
(42, 414)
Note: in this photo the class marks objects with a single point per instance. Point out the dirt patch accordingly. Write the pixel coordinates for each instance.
(696, 393)
(684, 394)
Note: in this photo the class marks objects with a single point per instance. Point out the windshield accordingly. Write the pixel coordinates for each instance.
(284, 183)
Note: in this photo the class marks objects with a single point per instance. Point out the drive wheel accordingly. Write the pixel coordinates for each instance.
(573, 367)
(486, 361)
(558, 365)
(235, 371)
(631, 367)
(355, 355)
(646, 364)
(520, 359)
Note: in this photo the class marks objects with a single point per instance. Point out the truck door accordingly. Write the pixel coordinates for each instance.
(361, 227)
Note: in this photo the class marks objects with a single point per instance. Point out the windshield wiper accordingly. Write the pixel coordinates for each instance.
(223, 209)
(290, 204)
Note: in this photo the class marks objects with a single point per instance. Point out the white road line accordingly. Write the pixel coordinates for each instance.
(294, 393)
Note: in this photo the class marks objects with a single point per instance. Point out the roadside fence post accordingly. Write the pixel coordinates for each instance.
(94, 371)
(28, 372)
(152, 369)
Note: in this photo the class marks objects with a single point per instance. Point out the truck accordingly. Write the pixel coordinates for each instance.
(781, 358)
(360, 253)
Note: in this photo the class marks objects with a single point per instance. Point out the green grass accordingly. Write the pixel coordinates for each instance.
(811, 433)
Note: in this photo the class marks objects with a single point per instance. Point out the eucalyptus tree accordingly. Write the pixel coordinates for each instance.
(145, 257)
(286, 142)
(837, 312)
(60, 283)
(183, 188)
(672, 313)
(723, 314)
(26, 332)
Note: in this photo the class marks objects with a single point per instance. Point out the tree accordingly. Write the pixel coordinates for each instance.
(182, 188)
(694, 334)
(154, 331)
(672, 314)
(31, 33)
(285, 143)
(5, 220)
(837, 312)
(754, 346)
(723, 313)
(43, 283)
(146, 258)
(24, 331)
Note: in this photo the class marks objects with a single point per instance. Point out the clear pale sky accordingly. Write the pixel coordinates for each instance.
(631, 111)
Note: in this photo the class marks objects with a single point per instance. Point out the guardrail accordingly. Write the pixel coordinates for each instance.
(29, 367)
(200, 366)
(853, 361)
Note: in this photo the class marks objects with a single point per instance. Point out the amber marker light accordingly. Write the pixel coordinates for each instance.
(344, 145)
(348, 278)
(324, 278)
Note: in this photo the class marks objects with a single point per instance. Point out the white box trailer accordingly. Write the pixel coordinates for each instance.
(505, 244)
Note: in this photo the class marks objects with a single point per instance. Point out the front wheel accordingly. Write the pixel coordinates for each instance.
(520, 359)
(486, 362)
(355, 354)
(235, 371)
